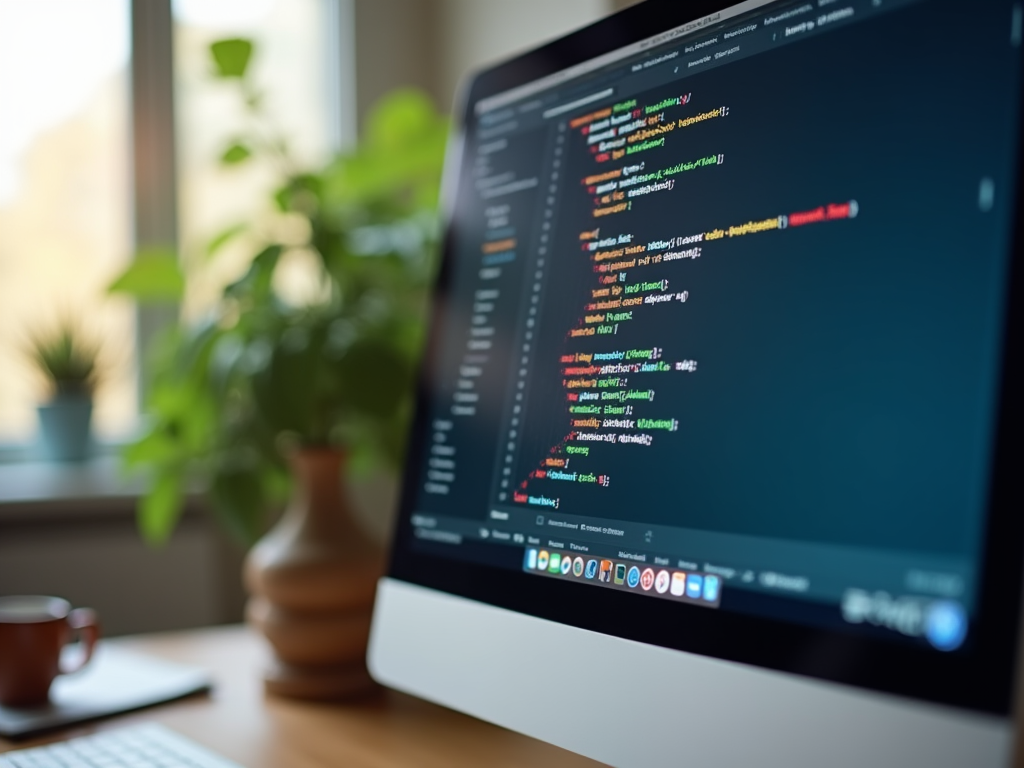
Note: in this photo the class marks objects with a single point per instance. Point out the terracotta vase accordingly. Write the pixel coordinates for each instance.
(312, 579)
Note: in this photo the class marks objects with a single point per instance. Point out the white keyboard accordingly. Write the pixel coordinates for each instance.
(144, 746)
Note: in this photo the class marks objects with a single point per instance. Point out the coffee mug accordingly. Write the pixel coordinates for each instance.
(33, 632)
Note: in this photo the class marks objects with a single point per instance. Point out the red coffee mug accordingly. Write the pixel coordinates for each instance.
(33, 632)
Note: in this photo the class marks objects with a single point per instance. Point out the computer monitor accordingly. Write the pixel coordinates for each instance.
(716, 453)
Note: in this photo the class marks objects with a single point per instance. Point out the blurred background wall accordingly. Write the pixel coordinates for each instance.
(110, 141)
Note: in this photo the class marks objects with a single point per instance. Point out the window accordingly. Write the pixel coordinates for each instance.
(66, 192)
(65, 215)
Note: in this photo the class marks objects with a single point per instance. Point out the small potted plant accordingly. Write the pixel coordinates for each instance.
(67, 360)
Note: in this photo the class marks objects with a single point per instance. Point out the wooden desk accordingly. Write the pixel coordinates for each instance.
(238, 721)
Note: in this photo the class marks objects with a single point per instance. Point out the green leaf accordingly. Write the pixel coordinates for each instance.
(225, 357)
(153, 277)
(231, 56)
(285, 390)
(282, 198)
(375, 377)
(159, 510)
(156, 447)
(301, 194)
(400, 161)
(235, 154)
(256, 282)
(401, 115)
(224, 237)
(240, 500)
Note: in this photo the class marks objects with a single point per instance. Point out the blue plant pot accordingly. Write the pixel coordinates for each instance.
(65, 427)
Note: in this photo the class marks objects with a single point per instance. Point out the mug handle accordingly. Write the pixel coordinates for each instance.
(86, 623)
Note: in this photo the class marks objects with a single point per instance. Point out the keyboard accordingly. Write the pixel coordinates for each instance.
(145, 746)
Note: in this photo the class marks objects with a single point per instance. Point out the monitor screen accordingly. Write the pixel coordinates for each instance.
(721, 322)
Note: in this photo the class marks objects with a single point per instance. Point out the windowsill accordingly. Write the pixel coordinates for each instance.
(28, 478)
(32, 452)
(28, 488)
(31, 491)
(97, 479)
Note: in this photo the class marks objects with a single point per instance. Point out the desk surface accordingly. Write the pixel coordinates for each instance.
(389, 729)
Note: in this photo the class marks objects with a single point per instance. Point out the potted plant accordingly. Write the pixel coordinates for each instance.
(67, 361)
(267, 399)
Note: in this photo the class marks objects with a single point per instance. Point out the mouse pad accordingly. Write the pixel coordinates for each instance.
(115, 681)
